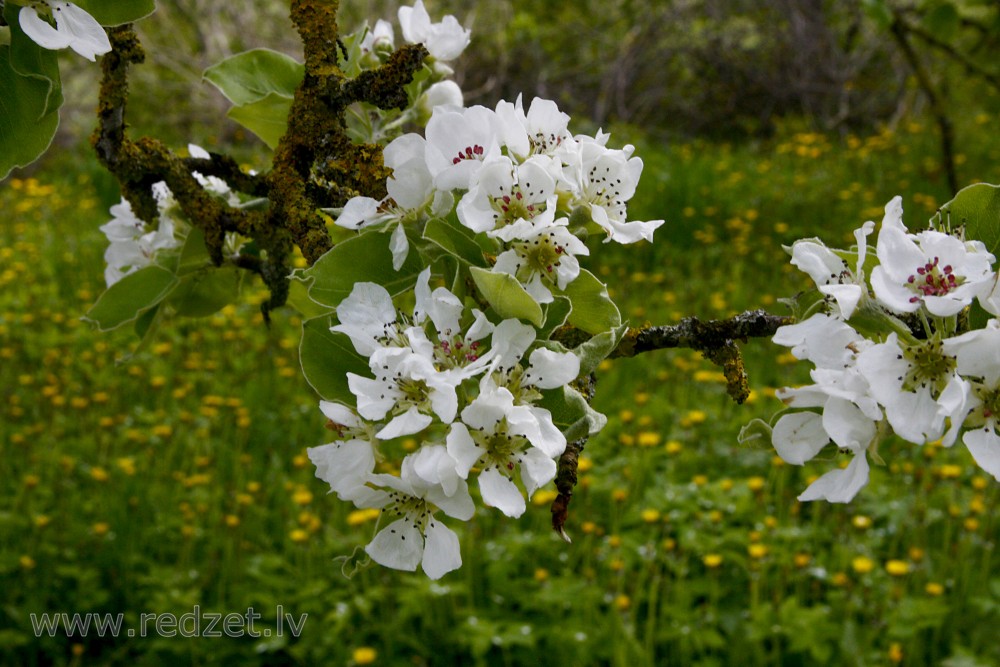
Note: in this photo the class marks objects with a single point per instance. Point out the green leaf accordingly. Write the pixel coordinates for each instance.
(261, 84)
(298, 298)
(326, 358)
(26, 129)
(555, 316)
(457, 240)
(593, 310)
(253, 75)
(131, 296)
(117, 12)
(206, 291)
(506, 295)
(571, 413)
(267, 118)
(596, 350)
(978, 208)
(31, 60)
(363, 258)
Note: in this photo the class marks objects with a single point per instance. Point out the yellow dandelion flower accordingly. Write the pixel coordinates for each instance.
(757, 551)
(100, 528)
(934, 589)
(358, 517)
(862, 565)
(365, 655)
(232, 520)
(712, 561)
(649, 439)
(861, 522)
(650, 515)
(298, 536)
(897, 568)
(756, 484)
(26, 562)
(302, 497)
(99, 474)
(623, 602)
(802, 560)
(544, 496)
(541, 574)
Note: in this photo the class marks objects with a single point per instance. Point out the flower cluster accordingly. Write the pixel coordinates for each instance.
(892, 351)
(132, 245)
(459, 395)
(515, 177)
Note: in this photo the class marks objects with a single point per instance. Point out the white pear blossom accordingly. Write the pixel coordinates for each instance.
(543, 130)
(411, 196)
(368, 317)
(347, 463)
(832, 274)
(917, 385)
(930, 269)
(602, 181)
(444, 40)
(541, 250)
(977, 354)
(458, 144)
(131, 246)
(505, 438)
(415, 536)
(501, 193)
(408, 386)
(74, 28)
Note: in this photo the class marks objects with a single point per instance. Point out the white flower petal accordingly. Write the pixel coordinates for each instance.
(841, 485)
(500, 492)
(984, 445)
(442, 553)
(410, 422)
(399, 546)
(799, 436)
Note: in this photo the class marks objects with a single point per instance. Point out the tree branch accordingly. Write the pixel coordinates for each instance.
(716, 339)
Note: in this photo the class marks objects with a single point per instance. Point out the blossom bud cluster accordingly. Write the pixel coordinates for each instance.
(892, 351)
(449, 395)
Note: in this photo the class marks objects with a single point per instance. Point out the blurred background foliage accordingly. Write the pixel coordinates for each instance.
(677, 69)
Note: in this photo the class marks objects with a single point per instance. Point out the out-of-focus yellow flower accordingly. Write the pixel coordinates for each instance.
(863, 565)
(712, 561)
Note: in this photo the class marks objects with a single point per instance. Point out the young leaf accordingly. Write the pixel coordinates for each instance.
(455, 239)
(593, 310)
(261, 84)
(26, 129)
(253, 75)
(206, 291)
(506, 295)
(326, 358)
(978, 208)
(363, 258)
(116, 12)
(571, 413)
(131, 296)
(267, 117)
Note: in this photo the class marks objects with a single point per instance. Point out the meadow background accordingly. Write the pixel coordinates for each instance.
(156, 480)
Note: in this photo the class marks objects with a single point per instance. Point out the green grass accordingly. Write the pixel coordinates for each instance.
(178, 477)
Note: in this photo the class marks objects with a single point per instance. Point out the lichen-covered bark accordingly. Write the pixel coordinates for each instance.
(315, 164)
